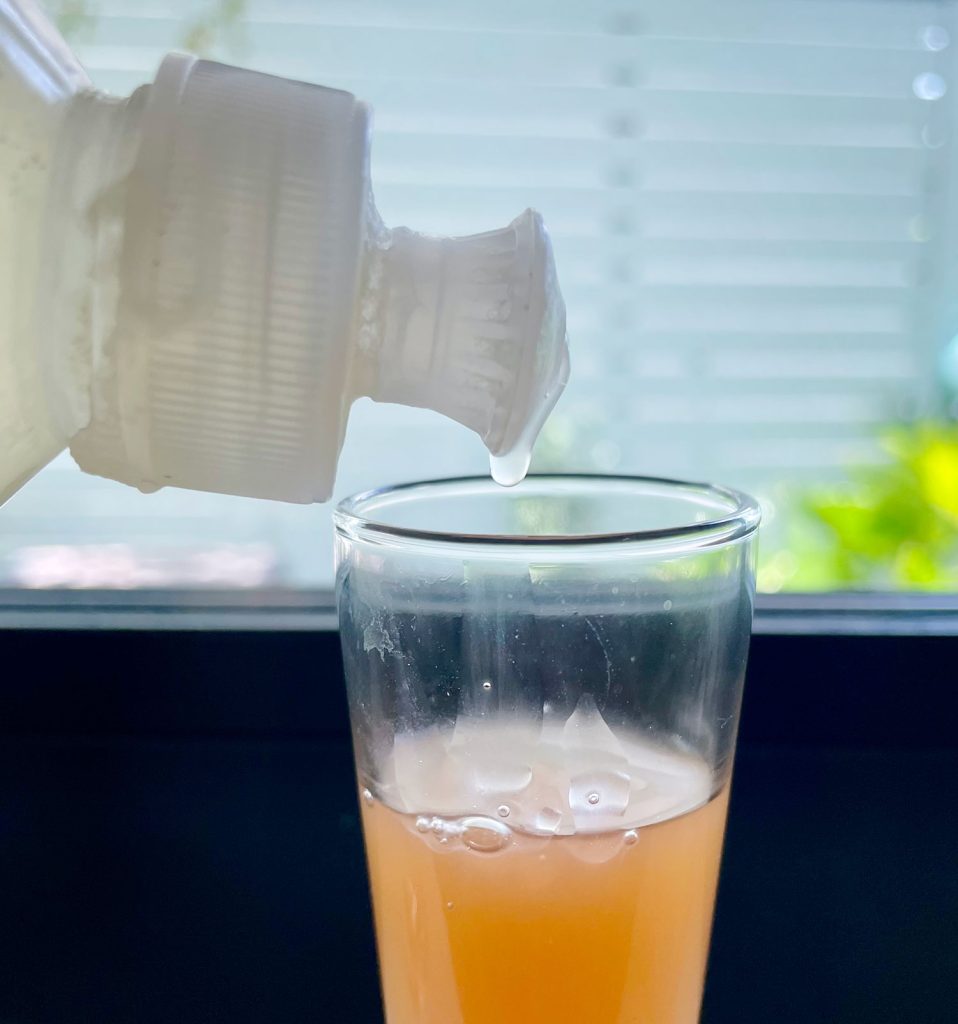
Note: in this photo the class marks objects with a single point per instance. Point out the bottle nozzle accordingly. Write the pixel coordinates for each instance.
(472, 327)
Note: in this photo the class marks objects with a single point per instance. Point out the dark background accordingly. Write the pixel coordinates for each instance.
(179, 837)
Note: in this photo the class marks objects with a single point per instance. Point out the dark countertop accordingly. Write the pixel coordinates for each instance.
(222, 880)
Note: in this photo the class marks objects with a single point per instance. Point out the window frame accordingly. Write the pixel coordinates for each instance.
(291, 610)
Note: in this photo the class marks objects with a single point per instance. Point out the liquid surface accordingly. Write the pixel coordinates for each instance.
(571, 882)
(568, 774)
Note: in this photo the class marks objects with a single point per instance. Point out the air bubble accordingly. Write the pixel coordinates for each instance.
(367, 798)
(599, 792)
(487, 686)
(450, 905)
(485, 835)
(667, 605)
(631, 837)
(422, 824)
(438, 826)
(503, 810)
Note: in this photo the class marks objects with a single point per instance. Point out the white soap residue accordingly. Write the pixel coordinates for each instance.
(577, 776)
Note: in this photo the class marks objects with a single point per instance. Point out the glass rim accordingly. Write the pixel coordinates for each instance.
(355, 515)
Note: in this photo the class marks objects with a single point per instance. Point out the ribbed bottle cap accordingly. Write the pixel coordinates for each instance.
(472, 327)
(237, 288)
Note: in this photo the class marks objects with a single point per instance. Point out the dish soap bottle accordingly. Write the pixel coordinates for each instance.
(195, 284)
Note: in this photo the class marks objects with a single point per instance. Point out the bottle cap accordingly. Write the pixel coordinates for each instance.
(237, 286)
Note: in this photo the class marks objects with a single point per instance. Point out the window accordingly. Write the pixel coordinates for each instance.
(753, 207)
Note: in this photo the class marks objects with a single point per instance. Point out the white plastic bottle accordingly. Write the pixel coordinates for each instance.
(195, 284)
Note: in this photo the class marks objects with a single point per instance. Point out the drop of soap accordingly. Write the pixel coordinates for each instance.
(510, 469)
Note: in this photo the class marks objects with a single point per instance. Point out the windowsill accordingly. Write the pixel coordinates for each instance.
(294, 611)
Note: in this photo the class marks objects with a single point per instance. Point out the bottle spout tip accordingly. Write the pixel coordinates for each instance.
(544, 348)
(510, 466)
(474, 328)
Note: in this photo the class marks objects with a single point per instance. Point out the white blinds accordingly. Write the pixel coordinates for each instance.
(752, 202)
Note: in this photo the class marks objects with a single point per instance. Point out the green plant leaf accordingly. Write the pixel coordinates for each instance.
(890, 525)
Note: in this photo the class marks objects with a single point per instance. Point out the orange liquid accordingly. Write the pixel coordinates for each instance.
(604, 928)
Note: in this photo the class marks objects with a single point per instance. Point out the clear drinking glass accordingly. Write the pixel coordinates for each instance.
(544, 686)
